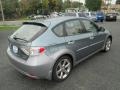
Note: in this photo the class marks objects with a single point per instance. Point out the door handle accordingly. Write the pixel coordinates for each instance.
(71, 42)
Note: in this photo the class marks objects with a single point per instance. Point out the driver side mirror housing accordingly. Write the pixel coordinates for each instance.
(101, 29)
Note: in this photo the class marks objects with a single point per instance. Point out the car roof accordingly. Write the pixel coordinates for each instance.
(54, 21)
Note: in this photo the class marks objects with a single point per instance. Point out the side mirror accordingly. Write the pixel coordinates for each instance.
(101, 29)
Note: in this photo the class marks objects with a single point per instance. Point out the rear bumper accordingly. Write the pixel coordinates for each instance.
(35, 67)
(110, 18)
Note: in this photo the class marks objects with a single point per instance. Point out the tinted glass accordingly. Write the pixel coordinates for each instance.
(87, 14)
(27, 32)
(93, 14)
(89, 26)
(100, 13)
(73, 27)
(58, 30)
(81, 15)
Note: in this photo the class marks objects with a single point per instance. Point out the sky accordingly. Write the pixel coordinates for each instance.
(83, 1)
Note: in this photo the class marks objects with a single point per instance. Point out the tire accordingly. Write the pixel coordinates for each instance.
(106, 20)
(107, 46)
(101, 20)
(62, 69)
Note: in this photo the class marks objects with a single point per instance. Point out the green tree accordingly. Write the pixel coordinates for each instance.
(59, 5)
(30, 6)
(24, 7)
(117, 1)
(34, 5)
(52, 5)
(93, 5)
(67, 4)
(11, 8)
(76, 4)
(45, 4)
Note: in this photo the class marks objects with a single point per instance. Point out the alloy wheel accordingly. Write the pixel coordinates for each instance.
(108, 45)
(63, 68)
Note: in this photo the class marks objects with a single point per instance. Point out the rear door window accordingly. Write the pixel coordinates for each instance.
(29, 32)
(73, 27)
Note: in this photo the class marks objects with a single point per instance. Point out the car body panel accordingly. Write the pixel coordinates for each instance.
(79, 47)
(110, 17)
(100, 16)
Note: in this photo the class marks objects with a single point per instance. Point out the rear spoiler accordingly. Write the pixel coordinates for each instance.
(34, 23)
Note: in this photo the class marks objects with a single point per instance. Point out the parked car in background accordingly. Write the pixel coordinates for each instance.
(88, 15)
(60, 13)
(36, 17)
(118, 17)
(54, 14)
(100, 16)
(91, 15)
(49, 49)
(111, 17)
(75, 14)
(31, 17)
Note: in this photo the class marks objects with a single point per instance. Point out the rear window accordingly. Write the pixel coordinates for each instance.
(100, 13)
(81, 15)
(29, 32)
(87, 14)
(93, 14)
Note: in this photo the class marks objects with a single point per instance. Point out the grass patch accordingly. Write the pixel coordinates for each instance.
(8, 27)
(23, 18)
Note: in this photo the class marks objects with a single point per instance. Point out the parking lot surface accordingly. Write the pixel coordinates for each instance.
(99, 72)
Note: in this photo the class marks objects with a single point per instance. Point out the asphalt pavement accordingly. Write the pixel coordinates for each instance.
(99, 72)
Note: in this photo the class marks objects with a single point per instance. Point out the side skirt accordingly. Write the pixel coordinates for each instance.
(87, 57)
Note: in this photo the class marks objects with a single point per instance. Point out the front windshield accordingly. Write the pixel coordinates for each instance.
(100, 13)
(93, 14)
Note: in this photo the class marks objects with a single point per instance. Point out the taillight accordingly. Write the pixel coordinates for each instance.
(41, 50)
(37, 50)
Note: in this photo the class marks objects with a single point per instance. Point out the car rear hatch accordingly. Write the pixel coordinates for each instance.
(20, 42)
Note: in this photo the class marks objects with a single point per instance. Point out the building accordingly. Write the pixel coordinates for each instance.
(108, 7)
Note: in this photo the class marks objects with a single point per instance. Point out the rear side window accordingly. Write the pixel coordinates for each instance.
(58, 30)
(29, 32)
(73, 27)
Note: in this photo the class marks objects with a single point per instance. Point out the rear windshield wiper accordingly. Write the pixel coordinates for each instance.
(16, 38)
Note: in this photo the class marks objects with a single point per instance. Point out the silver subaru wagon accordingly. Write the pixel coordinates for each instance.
(49, 49)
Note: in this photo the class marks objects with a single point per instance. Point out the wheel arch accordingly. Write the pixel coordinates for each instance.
(110, 37)
(66, 54)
